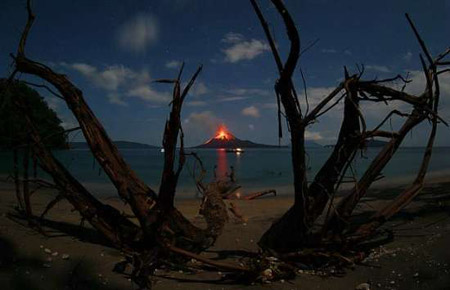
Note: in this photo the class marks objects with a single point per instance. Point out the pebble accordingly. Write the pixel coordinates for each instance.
(363, 286)
(268, 274)
(47, 250)
(416, 275)
(65, 256)
(54, 254)
(46, 265)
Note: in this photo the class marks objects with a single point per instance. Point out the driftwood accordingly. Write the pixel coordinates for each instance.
(25, 183)
(162, 231)
(17, 179)
(258, 194)
(159, 221)
(235, 210)
(297, 228)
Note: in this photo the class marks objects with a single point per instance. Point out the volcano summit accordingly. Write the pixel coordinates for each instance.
(224, 139)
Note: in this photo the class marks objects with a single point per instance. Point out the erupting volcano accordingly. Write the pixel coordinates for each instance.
(224, 139)
(223, 134)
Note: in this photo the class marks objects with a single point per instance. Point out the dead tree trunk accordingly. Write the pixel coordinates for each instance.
(344, 209)
(159, 220)
(131, 189)
(298, 227)
(163, 229)
(16, 178)
(26, 188)
(292, 227)
(108, 221)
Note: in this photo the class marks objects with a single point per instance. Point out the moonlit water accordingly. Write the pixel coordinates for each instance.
(255, 169)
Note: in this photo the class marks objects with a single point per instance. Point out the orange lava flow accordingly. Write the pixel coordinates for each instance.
(222, 133)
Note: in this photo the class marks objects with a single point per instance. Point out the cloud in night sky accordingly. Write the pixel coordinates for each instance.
(378, 68)
(329, 50)
(138, 33)
(242, 49)
(146, 93)
(247, 92)
(200, 125)
(174, 64)
(108, 78)
(407, 56)
(232, 37)
(231, 99)
(315, 136)
(114, 54)
(196, 103)
(120, 82)
(251, 111)
(198, 89)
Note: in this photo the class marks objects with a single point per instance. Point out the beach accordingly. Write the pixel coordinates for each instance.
(71, 257)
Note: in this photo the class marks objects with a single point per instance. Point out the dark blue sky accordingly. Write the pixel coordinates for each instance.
(114, 49)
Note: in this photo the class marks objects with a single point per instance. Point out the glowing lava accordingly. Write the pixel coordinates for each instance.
(222, 133)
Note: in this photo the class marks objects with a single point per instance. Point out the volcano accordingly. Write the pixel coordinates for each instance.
(224, 139)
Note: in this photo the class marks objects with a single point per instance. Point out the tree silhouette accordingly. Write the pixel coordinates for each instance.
(315, 220)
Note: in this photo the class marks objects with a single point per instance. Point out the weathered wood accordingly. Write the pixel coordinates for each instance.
(214, 210)
(107, 220)
(25, 182)
(325, 183)
(16, 178)
(236, 211)
(257, 194)
(172, 129)
(296, 228)
(294, 224)
(140, 197)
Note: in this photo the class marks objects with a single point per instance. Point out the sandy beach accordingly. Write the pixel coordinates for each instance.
(71, 257)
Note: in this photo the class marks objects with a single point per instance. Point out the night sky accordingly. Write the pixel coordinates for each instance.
(113, 50)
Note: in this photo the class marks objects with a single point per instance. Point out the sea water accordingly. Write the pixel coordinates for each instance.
(254, 169)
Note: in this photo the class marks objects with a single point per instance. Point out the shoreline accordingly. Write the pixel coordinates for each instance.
(105, 190)
(418, 258)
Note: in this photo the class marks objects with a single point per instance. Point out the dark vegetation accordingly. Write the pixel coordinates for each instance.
(119, 144)
(315, 231)
(13, 128)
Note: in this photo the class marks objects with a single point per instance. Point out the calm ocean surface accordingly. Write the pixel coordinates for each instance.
(255, 169)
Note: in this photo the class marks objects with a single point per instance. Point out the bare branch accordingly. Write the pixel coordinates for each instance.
(45, 87)
(169, 178)
(420, 40)
(313, 114)
(26, 31)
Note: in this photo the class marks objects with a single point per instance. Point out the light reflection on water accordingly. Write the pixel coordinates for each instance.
(222, 164)
(254, 168)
